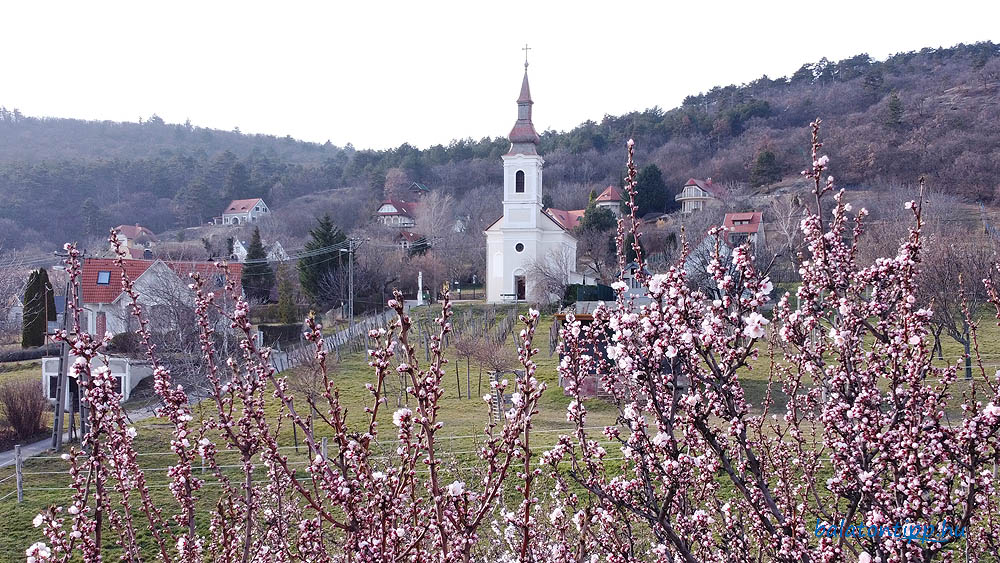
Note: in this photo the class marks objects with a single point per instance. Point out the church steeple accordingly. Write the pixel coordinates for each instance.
(523, 137)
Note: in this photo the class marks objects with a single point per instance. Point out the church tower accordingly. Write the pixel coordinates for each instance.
(522, 166)
(526, 235)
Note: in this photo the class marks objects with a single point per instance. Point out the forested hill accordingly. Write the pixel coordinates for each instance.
(934, 112)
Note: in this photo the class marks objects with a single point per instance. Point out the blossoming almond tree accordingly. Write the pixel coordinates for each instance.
(865, 437)
(351, 503)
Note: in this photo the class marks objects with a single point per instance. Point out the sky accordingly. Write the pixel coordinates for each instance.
(378, 74)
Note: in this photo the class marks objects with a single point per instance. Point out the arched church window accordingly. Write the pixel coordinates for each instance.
(519, 182)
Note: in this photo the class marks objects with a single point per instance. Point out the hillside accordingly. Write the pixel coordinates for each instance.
(931, 112)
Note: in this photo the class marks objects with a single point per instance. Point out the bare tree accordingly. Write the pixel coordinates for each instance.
(784, 215)
(951, 283)
(396, 183)
(12, 278)
(549, 275)
(595, 254)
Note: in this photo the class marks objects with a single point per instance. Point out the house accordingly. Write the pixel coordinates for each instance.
(611, 199)
(243, 211)
(741, 227)
(135, 236)
(418, 189)
(395, 213)
(127, 372)
(408, 240)
(135, 241)
(159, 284)
(697, 194)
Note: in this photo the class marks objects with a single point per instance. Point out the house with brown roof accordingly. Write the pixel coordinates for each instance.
(159, 285)
(243, 211)
(743, 227)
(697, 194)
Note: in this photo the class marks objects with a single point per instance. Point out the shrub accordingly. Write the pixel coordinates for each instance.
(22, 405)
(127, 343)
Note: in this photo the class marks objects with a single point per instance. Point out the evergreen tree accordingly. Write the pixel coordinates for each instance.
(237, 184)
(287, 311)
(258, 277)
(597, 218)
(765, 169)
(190, 203)
(39, 299)
(895, 113)
(326, 240)
(651, 192)
(94, 222)
(546, 201)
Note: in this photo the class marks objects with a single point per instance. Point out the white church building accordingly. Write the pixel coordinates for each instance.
(526, 233)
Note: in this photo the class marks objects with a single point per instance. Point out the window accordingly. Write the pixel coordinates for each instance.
(519, 182)
(519, 247)
(103, 278)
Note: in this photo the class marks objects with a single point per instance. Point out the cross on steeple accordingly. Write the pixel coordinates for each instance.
(526, 49)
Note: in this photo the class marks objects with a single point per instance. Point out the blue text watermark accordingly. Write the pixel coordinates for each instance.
(941, 532)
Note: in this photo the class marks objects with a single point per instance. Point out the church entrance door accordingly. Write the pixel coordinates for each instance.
(519, 287)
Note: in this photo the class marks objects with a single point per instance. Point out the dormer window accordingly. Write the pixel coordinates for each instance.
(103, 278)
(519, 182)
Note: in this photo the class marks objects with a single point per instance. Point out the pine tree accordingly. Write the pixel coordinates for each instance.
(895, 116)
(39, 299)
(765, 169)
(258, 277)
(93, 219)
(287, 311)
(651, 192)
(597, 218)
(325, 240)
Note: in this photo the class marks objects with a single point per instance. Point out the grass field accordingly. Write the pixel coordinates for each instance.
(464, 419)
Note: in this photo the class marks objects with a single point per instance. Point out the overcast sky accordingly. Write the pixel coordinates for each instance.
(377, 74)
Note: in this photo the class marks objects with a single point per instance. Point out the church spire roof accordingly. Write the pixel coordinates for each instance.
(523, 137)
(525, 91)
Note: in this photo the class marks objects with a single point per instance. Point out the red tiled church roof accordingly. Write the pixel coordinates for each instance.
(566, 219)
(94, 292)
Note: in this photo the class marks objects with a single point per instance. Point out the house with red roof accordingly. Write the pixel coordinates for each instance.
(159, 284)
(610, 199)
(243, 211)
(697, 194)
(743, 227)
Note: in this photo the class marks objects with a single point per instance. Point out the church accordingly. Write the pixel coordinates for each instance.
(526, 234)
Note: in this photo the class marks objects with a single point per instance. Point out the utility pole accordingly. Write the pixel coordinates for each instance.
(62, 384)
(57, 423)
(352, 245)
